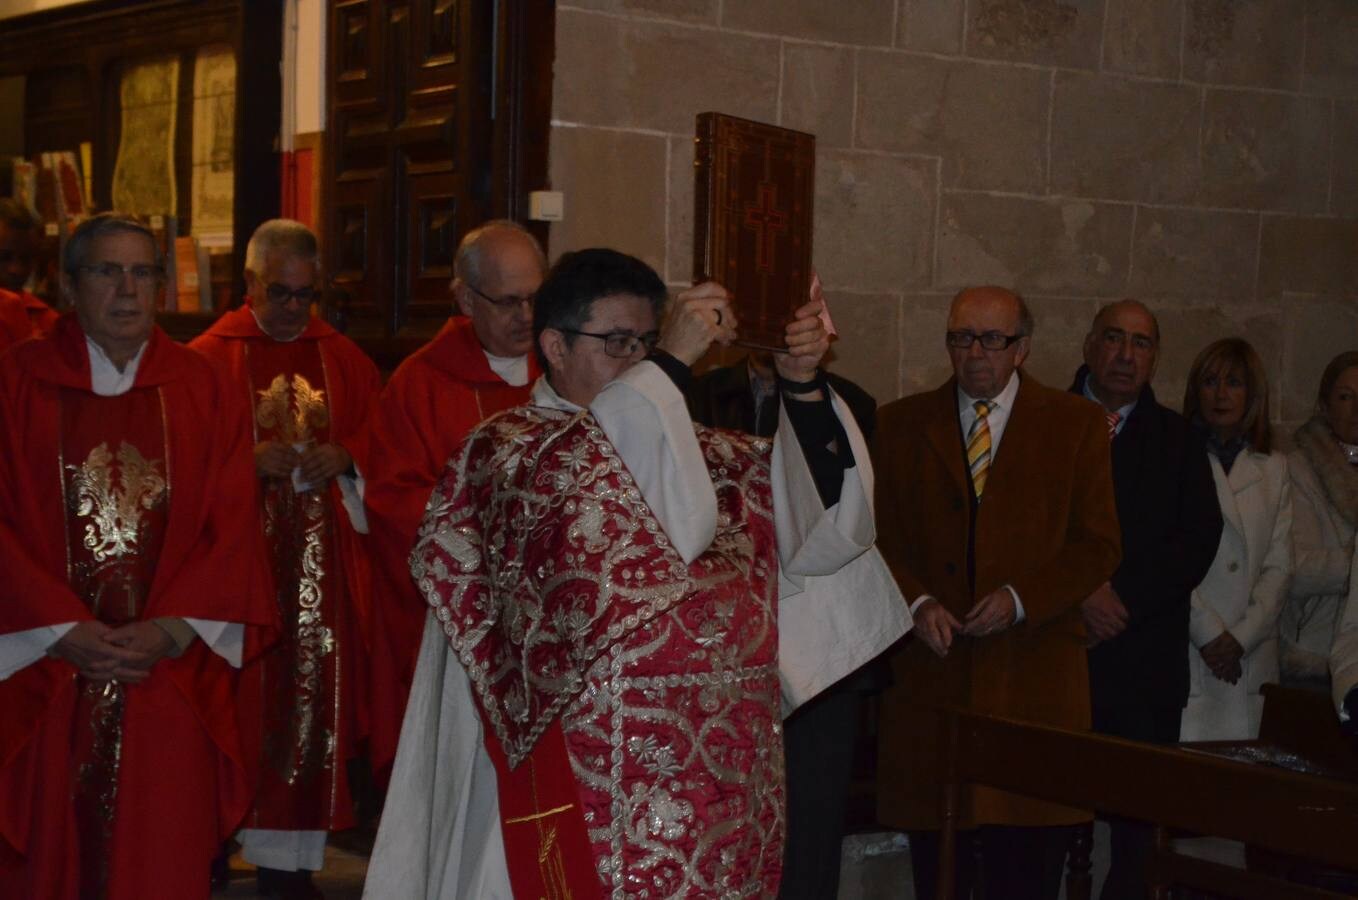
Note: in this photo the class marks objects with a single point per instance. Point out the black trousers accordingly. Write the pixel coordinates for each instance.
(995, 862)
(1132, 842)
(818, 742)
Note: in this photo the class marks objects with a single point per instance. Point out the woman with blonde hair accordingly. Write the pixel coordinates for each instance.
(1324, 472)
(1233, 626)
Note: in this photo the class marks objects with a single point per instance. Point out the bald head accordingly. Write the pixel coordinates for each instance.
(498, 268)
(987, 315)
(1121, 350)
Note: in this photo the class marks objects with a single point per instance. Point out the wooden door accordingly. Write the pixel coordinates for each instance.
(424, 95)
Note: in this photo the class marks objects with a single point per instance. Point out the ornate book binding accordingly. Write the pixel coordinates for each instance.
(752, 197)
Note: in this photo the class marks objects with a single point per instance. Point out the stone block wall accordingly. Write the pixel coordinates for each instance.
(1201, 155)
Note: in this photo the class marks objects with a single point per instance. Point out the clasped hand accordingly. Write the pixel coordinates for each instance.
(319, 463)
(104, 653)
(937, 627)
(1105, 615)
(1223, 655)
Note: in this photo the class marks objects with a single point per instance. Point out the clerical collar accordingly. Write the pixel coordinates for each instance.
(1122, 411)
(513, 370)
(545, 395)
(251, 307)
(105, 379)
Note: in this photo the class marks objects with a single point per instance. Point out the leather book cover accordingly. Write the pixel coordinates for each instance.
(752, 194)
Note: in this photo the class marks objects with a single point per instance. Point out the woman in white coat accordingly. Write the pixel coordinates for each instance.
(1233, 626)
(1324, 473)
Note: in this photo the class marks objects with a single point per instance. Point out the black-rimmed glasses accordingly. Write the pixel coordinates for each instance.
(991, 340)
(506, 303)
(620, 344)
(281, 294)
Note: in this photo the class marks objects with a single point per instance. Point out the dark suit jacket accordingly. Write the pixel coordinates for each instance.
(1047, 526)
(722, 398)
(1171, 525)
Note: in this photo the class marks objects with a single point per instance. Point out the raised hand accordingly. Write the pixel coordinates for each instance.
(698, 317)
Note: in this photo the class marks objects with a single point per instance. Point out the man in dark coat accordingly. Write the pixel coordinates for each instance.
(1137, 623)
(818, 738)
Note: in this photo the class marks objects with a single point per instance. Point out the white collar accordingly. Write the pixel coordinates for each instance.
(270, 336)
(1003, 400)
(105, 379)
(546, 396)
(1122, 411)
(513, 370)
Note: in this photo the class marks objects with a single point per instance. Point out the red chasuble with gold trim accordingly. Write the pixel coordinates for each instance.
(631, 701)
(307, 690)
(432, 401)
(122, 508)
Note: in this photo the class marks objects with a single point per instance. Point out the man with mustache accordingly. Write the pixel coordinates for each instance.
(1136, 623)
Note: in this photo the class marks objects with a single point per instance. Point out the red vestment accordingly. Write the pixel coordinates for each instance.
(631, 701)
(432, 400)
(14, 323)
(41, 317)
(138, 506)
(305, 695)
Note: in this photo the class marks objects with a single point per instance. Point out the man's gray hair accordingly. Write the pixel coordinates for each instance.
(76, 253)
(285, 237)
(470, 259)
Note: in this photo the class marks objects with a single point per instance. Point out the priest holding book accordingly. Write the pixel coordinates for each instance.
(625, 605)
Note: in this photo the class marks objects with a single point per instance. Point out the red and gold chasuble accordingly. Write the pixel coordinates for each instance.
(631, 700)
(301, 785)
(115, 470)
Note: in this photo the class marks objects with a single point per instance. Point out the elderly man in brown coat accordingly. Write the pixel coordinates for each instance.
(996, 514)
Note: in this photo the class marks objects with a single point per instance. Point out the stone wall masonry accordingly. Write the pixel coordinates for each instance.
(1201, 155)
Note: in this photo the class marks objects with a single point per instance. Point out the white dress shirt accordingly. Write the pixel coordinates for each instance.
(1001, 405)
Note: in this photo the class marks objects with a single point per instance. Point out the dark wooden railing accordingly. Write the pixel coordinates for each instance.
(1307, 816)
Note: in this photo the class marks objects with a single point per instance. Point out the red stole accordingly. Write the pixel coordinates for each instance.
(299, 680)
(116, 483)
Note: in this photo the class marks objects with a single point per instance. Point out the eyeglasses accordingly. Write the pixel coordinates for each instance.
(281, 294)
(991, 340)
(506, 303)
(620, 344)
(109, 274)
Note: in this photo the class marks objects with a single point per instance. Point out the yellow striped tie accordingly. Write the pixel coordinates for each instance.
(978, 447)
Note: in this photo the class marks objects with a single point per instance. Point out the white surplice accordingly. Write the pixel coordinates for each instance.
(838, 608)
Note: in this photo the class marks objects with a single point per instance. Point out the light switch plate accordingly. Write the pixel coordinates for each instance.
(546, 206)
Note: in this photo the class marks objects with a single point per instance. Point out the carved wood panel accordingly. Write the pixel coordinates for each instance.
(411, 135)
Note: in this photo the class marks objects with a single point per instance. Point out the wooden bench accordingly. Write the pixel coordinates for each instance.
(1308, 816)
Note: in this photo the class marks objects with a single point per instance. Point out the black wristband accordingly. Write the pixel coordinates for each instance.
(794, 388)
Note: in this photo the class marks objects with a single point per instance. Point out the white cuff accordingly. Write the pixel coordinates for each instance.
(919, 601)
(351, 495)
(20, 649)
(226, 639)
(1019, 614)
